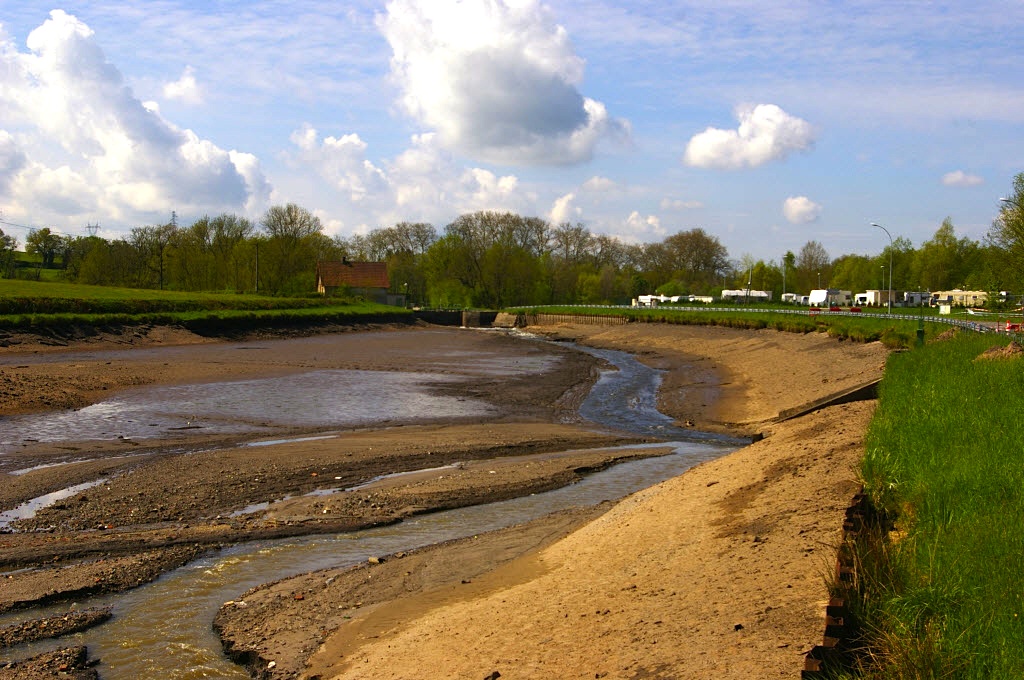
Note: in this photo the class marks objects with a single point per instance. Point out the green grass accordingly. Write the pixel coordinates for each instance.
(941, 596)
(35, 305)
(894, 333)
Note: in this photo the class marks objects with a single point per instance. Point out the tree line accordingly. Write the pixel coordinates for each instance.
(495, 259)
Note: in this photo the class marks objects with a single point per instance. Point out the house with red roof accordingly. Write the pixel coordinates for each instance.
(368, 280)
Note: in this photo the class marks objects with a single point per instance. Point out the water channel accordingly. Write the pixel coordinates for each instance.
(163, 630)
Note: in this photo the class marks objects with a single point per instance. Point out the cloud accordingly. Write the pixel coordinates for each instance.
(598, 184)
(643, 228)
(563, 210)
(801, 210)
(765, 133)
(422, 183)
(184, 88)
(341, 161)
(89, 147)
(12, 159)
(959, 178)
(676, 204)
(496, 80)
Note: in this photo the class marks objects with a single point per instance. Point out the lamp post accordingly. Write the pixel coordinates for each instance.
(876, 224)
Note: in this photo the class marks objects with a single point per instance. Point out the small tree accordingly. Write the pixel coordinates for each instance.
(45, 244)
(8, 244)
(1006, 235)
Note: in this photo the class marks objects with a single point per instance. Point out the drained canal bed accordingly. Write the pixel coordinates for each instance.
(265, 405)
(163, 629)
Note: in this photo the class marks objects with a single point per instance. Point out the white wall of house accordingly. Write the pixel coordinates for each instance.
(744, 294)
(829, 296)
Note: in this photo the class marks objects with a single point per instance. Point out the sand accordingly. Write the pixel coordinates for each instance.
(718, 572)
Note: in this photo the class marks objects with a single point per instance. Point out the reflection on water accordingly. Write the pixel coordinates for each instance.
(29, 509)
(627, 399)
(318, 399)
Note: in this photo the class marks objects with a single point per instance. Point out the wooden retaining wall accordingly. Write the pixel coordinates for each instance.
(590, 319)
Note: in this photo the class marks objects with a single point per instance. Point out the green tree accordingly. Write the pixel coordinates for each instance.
(813, 268)
(151, 245)
(44, 243)
(945, 262)
(788, 270)
(694, 258)
(495, 257)
(288, 255)
(572, 256)
(855, 273)
(8, 246)
(1006, 237)
(111, 263)
(233, 252)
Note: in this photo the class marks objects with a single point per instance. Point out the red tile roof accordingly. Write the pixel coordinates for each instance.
(353, 274)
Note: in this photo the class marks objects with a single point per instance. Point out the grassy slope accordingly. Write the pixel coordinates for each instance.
(32, 304)
(945, 457)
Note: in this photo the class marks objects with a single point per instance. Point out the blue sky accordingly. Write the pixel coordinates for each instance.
(766, 124)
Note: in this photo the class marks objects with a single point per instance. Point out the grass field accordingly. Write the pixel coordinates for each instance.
(37, 304)
(893, 332)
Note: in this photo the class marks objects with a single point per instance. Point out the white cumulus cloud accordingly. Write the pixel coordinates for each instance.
(563, 210)
(88, 147)
(801, 210)
(184, 88)
(959, 178)
(495, 80)
(640, 228)
(765, 133)
(342, 161)
(423, 183)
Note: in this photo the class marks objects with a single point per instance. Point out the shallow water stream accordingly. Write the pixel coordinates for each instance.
(163, 630)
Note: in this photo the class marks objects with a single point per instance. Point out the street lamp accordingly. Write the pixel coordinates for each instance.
(876, 224)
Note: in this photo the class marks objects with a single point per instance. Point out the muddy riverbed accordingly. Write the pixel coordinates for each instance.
(175, 492)
(274, 443)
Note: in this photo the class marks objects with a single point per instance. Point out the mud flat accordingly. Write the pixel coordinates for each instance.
(717, 570)
(154, 504)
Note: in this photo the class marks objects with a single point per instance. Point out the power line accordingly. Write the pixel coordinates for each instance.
(27, 227)
(19, 226)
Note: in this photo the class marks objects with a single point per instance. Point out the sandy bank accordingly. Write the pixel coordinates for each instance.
(718, 572)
